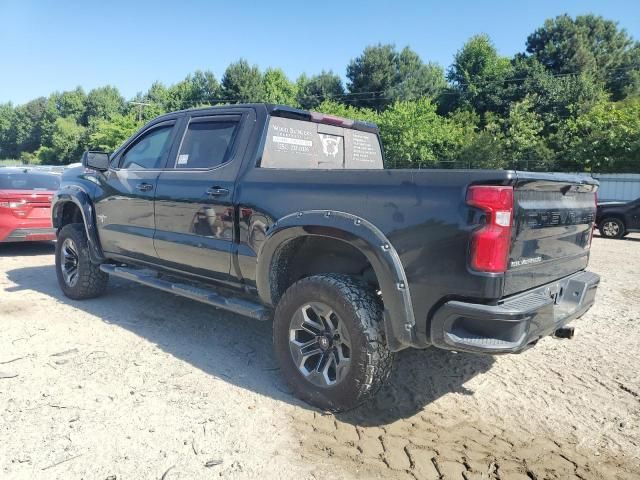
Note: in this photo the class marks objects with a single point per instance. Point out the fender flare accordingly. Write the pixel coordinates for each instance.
(79, 197)
(399, 321)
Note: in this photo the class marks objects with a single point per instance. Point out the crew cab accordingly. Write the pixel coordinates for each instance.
(617, 219)
(287, 215)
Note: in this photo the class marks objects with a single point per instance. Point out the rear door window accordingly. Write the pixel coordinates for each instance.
(207, 143)
(298, 144)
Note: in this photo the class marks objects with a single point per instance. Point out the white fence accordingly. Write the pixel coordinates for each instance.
(618, 186)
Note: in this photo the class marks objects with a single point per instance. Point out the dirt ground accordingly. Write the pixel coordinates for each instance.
(140, 384)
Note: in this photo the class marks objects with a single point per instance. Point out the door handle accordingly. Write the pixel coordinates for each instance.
(144, 186)
(217, 191)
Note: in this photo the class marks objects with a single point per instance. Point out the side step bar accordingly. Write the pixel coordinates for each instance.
(236, 305)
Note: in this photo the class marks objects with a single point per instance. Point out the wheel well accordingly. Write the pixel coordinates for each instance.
(70, 214)
(310, 255)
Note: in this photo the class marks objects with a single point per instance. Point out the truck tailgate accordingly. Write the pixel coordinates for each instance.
(552, 227)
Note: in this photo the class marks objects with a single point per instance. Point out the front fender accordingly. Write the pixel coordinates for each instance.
(78, 196)
(399, 320)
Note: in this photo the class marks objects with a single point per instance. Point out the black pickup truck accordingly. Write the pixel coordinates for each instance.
(283, 214)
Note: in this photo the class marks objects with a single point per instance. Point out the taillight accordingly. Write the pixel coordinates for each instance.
(12, 203)
(593, 226)
(331, 120)
(19, 208)
(489, 249)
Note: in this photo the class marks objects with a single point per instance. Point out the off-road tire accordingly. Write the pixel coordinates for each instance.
(607, 232)
(360, 309)
(91, 281)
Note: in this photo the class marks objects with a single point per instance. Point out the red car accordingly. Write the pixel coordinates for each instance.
(25, 204)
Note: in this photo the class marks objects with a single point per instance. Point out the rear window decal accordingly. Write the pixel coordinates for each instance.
(299, 144)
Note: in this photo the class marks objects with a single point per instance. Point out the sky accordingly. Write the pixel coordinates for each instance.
(52, 45)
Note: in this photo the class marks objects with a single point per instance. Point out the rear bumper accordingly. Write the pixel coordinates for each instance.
(518, 321)
(31, 235)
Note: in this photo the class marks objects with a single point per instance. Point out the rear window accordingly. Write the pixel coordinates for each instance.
(298, 144)
(28, 181)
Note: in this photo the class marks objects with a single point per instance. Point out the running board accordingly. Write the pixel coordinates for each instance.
(236, 305)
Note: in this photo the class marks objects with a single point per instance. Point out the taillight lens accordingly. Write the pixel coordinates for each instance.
(593, 226)
(12, 203)
(331, 120)
(489, 249)
(18, 208)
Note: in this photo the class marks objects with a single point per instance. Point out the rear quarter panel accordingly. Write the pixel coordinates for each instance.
(421, 212)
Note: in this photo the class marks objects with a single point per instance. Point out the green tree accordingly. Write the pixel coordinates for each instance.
(72, 103)
(485, 148)
(26, 131)
(605, 139)
(555, 98)
(108, 135)
(415, 79)
(371, 75)
(205, 88)
(154, 102)
(179, 96)
(102, 103)
(278, 88)
(325, 86)
(587, 44)
(242, 83)
(523, 143)
(338, 109)
(7, 143)
(381, 76)
(478, 76)
(414, 135)
(66, 142)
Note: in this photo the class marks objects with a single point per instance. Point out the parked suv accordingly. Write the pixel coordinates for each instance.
(283, 214)
(617, 219)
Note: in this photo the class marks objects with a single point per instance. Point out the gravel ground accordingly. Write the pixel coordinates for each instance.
(141, 384)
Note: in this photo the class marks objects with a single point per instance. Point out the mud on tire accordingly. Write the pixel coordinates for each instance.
(359, 309)
(86, 280)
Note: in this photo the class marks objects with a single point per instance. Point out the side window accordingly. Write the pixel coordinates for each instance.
(206, 144)
(148, 151)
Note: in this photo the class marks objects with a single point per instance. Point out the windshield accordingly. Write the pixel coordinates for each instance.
(28, 181)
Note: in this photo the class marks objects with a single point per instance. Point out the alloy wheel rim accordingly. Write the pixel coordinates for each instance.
(320, 344)
(611, 229)
(70, 262)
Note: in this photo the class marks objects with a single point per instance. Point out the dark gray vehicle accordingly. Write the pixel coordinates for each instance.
(283, 214)
(617, 219)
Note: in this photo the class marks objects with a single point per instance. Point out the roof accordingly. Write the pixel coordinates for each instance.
(286, 111)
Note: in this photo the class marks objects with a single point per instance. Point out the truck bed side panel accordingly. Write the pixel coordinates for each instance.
(422, 213)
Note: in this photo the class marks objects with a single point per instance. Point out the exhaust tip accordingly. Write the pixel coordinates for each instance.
(564, 332)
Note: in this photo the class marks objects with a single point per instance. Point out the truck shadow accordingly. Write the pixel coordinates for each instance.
(26, 249)
(239, 350)
(631, 237)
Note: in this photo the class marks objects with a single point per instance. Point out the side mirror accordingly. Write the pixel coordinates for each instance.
(97, 160)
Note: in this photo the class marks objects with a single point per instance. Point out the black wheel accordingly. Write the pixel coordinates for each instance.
(77, 276)
(329, 341)
(611, 228)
